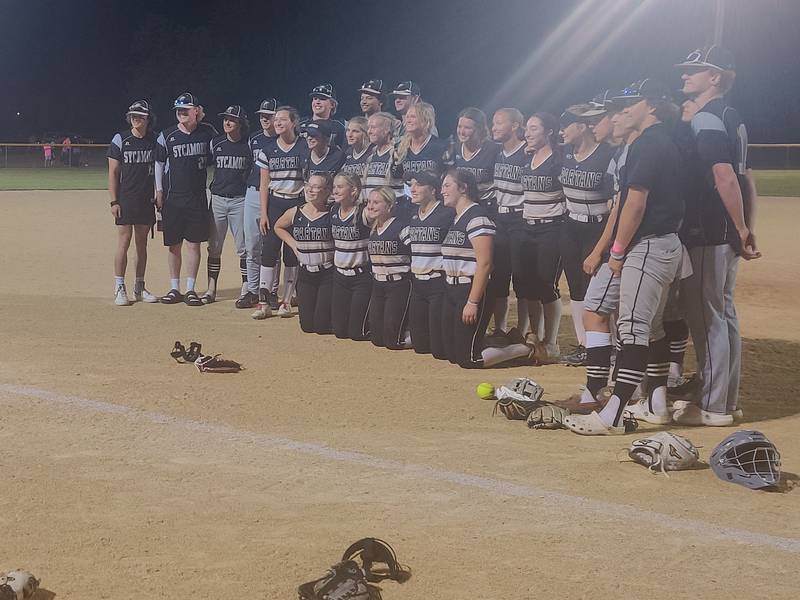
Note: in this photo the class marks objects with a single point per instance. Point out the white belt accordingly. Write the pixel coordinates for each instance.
(427, 276)
(391, 277)
(587, 218)
(509, 209)
(351, 272)
(285, 196)
(457, 280)
(317, 268)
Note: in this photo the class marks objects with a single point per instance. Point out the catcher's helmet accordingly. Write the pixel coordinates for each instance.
(747, 458)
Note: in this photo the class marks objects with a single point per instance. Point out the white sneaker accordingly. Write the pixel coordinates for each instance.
(121, 296)
(285, 311)
(641, 412)
(262, 312)
(144, 296)
(691, 414)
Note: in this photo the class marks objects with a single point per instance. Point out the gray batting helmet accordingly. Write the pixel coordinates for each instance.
(747, 458)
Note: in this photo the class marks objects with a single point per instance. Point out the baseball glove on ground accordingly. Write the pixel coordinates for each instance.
(215, 364)
(664, 451)
(517, 399)
(547, 416)
(17, 585)
(343, 581)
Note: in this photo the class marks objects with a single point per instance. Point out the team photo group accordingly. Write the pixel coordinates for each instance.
(376, 229)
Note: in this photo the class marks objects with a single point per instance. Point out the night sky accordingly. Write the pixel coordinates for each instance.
(75, 66)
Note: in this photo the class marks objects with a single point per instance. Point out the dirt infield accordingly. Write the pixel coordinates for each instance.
(129, 476)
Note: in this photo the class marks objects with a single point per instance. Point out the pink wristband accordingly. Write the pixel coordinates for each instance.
(617, 248)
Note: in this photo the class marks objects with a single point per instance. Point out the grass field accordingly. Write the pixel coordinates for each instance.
(770, 183)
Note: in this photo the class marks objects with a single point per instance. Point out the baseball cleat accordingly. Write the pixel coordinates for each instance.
(262, 312)
(691, 414)
(272, 299)
(285, 311)
(248, 300)
(685, 388)
(121, 296)
(576, 358)
(497, 339)
(143, 295)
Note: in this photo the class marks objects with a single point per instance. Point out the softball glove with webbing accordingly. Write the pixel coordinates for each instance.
(215, 364)
(547, 416)
(664, 451)
(517, 399)
(343, 581)
(17, 585)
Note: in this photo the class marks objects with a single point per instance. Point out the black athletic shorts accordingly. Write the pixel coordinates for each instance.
(187, 221)
(136, 212)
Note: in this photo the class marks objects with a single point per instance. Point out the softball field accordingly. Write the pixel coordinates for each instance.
(128, 476)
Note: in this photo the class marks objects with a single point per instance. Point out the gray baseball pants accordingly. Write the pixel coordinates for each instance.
(226, 213)
(710, 311)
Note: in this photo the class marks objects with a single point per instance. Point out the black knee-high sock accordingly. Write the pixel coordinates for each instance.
(243, 269)
(630, 369)
(658, 364)
(677, 339)
(214, 266)
(598, 367)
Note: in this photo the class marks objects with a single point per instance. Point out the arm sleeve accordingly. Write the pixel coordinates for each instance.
(159, 176)
(115, 148)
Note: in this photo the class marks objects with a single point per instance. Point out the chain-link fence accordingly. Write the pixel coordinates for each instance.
(55, 156)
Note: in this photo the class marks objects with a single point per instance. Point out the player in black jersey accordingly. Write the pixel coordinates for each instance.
(352, 279)
(183, 154)
(373, 95)
(507, 130)
(425, 233)
(391, 266)
(588, 189)
(322, 157)
(259, 141)
(476, 153)
(467, 262)
(306, 230)
(536, 257)
(379, 160)
(280, 189)
(131, 156)
(358, 150)
(323, 106)
(233, 162)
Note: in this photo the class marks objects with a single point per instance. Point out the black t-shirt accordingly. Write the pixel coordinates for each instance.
(655, 164)
(258, 142)
(136, 157)
(187, 156)
(481, 165)
(232, 165)
(330, 163)
(337, 130)
(719, 137)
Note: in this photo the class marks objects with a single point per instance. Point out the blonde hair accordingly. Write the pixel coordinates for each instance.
(387, 195)
(426, 117)
(360, 121)
(354, 181)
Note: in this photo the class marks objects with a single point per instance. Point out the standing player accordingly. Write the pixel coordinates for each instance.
(425, 233)
(507, 125)
(232, 165)
(352, 280)
(323, 107)
(645, 255)
(323, 159)
(476, 153)
(391, 266)
(373, 96)
(358, 150)
(536, 256)
(716, 232)
(588, 188)
(379, 161)
(182, 157)
(131, 155)
(280, 189)
(467, 262)
(306, 230)
(258, 142)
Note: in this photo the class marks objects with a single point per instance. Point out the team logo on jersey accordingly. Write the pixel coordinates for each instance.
(127, 143)
(172, 139)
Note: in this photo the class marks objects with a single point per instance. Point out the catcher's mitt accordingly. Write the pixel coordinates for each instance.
(547, 416)
(17, 585)
(215, 364)
(664, 451)
(517, 399)
(343, 581)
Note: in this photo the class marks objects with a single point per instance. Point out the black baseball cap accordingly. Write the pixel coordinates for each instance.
(186, 100)
(710, 57)
(644, 89)
(407, 88)
(140, 107)
(325, 91)
(319, 129)
(235, 112)
(568, 117)
(373, 87)
(268, 107)
(430, 178)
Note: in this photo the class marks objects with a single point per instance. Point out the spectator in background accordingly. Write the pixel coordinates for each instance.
(66, 149)
(48, 154)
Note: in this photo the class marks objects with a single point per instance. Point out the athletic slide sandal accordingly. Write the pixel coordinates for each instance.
(207, 298)
(591, 424)
(191, 299)
(172, 297)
